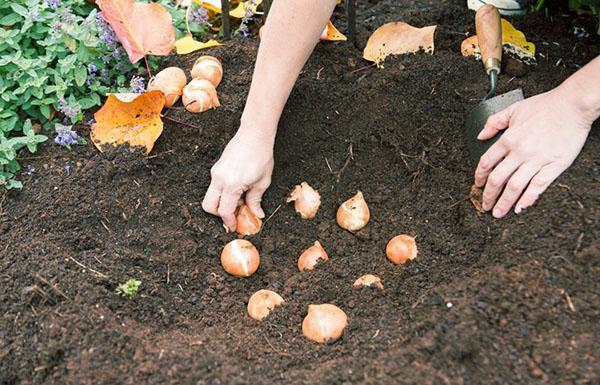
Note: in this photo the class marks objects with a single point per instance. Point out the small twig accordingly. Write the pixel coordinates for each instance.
(53, 287)
(168, 273)
(99, 274)
(160, 154)
(568, 298)
(105, 226)
(363, 68)
(275, 350)
(271, 216)
(147, 67)
(328, 165)
(348, 159)
(182, 122)
(578, 245)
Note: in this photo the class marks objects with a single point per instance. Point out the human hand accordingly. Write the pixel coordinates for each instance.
(544, 134)
(245, 166)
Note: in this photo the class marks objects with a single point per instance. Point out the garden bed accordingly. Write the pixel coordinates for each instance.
(486, 301)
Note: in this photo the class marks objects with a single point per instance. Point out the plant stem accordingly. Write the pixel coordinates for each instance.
(174, 120)
(147, 67)
(225, 19)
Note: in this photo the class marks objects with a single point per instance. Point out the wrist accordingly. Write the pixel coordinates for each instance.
(258, 134)
(584, 97)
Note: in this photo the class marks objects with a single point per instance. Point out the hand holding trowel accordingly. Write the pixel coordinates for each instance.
(489, 36)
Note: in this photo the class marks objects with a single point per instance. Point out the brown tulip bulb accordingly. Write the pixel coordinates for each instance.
(208, 68)
(324, 323)
(353, 214)
(306, 200)
(401, 248)
(311, 256)
(240, 258)
(199, 96)
(170, 82)
(262, 302)
(247, 222)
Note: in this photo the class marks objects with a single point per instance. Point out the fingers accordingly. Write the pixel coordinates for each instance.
(488, 161)
(254, 197)
(227, 206)
(496, 180)
(538, 185)
(497, 122)
(514, 188)
(210, 203)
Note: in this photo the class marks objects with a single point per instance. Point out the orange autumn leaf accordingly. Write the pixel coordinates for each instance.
(129, 118)
(330, 33)
(398, 38)
(141, 28)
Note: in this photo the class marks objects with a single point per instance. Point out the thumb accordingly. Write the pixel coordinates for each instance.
(253, 199)
(496, 123)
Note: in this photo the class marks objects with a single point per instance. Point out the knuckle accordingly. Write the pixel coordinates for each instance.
(494, 181)
(539, 183)
(514, 187)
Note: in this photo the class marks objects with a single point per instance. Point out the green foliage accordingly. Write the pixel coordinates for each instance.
(51, 60)
(128, 289)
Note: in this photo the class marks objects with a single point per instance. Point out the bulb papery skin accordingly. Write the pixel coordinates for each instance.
(306, 200)
(240, 258)
(262, 302)
(199, 96)
(353, 214)
(368, 280)
(324, 323)
(247, 222)
(311, 256)
(401, 249)
(208, 68)
(170, 82)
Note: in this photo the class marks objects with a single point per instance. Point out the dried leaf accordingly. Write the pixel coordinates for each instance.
(476, 196)
(188, 44)
(398, 38)
(129, 118)
(142, 28)
(330, 33)
(513, 41)
(238, 12)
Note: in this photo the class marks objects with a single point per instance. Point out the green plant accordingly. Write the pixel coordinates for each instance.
(57, 58)
(128, 289)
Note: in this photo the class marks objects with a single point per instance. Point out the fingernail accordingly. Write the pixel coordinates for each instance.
(518, 209)
(497, 213)
(261, 213)
(480, 135)
(486, 207)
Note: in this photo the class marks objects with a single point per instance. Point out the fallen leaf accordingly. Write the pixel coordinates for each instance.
(475, 196)
(398, 38)
(513, 41)
(330, 33)
(129, 118)
(141, 28)
(188, 44)
(238, 12)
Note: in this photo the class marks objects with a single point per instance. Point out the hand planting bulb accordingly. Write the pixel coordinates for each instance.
(240, 258)
(247, 222)
(353, 214)
(170, 82)
(306, 200)
(200, 95)
(324, 323)
(368, 280)
(311, 256)
(208, 68)
(401, 248)
(262, 302)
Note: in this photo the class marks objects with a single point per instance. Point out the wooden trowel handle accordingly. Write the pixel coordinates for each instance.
(489, 36)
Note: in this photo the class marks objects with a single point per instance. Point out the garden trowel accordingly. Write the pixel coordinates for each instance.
(489, 36)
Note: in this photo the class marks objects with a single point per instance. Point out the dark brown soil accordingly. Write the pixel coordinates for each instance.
(485, 302)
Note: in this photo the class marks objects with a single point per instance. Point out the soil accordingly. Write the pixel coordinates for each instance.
(485, 302)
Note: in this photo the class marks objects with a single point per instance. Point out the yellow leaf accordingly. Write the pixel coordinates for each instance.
(331, 33)
(238, 12)
(187, 44)
(398, 38)
(129, 118)
(513, 40)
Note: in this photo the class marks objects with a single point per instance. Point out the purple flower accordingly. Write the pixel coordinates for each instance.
(243, 29)
(69, 110)
(91, 121)
(199, 16)
(117, 52)
(30, 170)
(53, 4)
(65, 136)
(137, 84)
(92, 68)
(105, 32)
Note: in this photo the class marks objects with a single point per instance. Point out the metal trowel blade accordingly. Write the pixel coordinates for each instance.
(478, 117)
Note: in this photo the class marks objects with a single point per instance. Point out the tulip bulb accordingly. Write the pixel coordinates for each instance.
(240, 258)
(368, 280)
(353, 214)
(200, 95)
(262, 302)
(306, 200)
(170, 82)
(247, 222)
(209, 68)
(311, 256)
(401, 249)
(324, 323)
